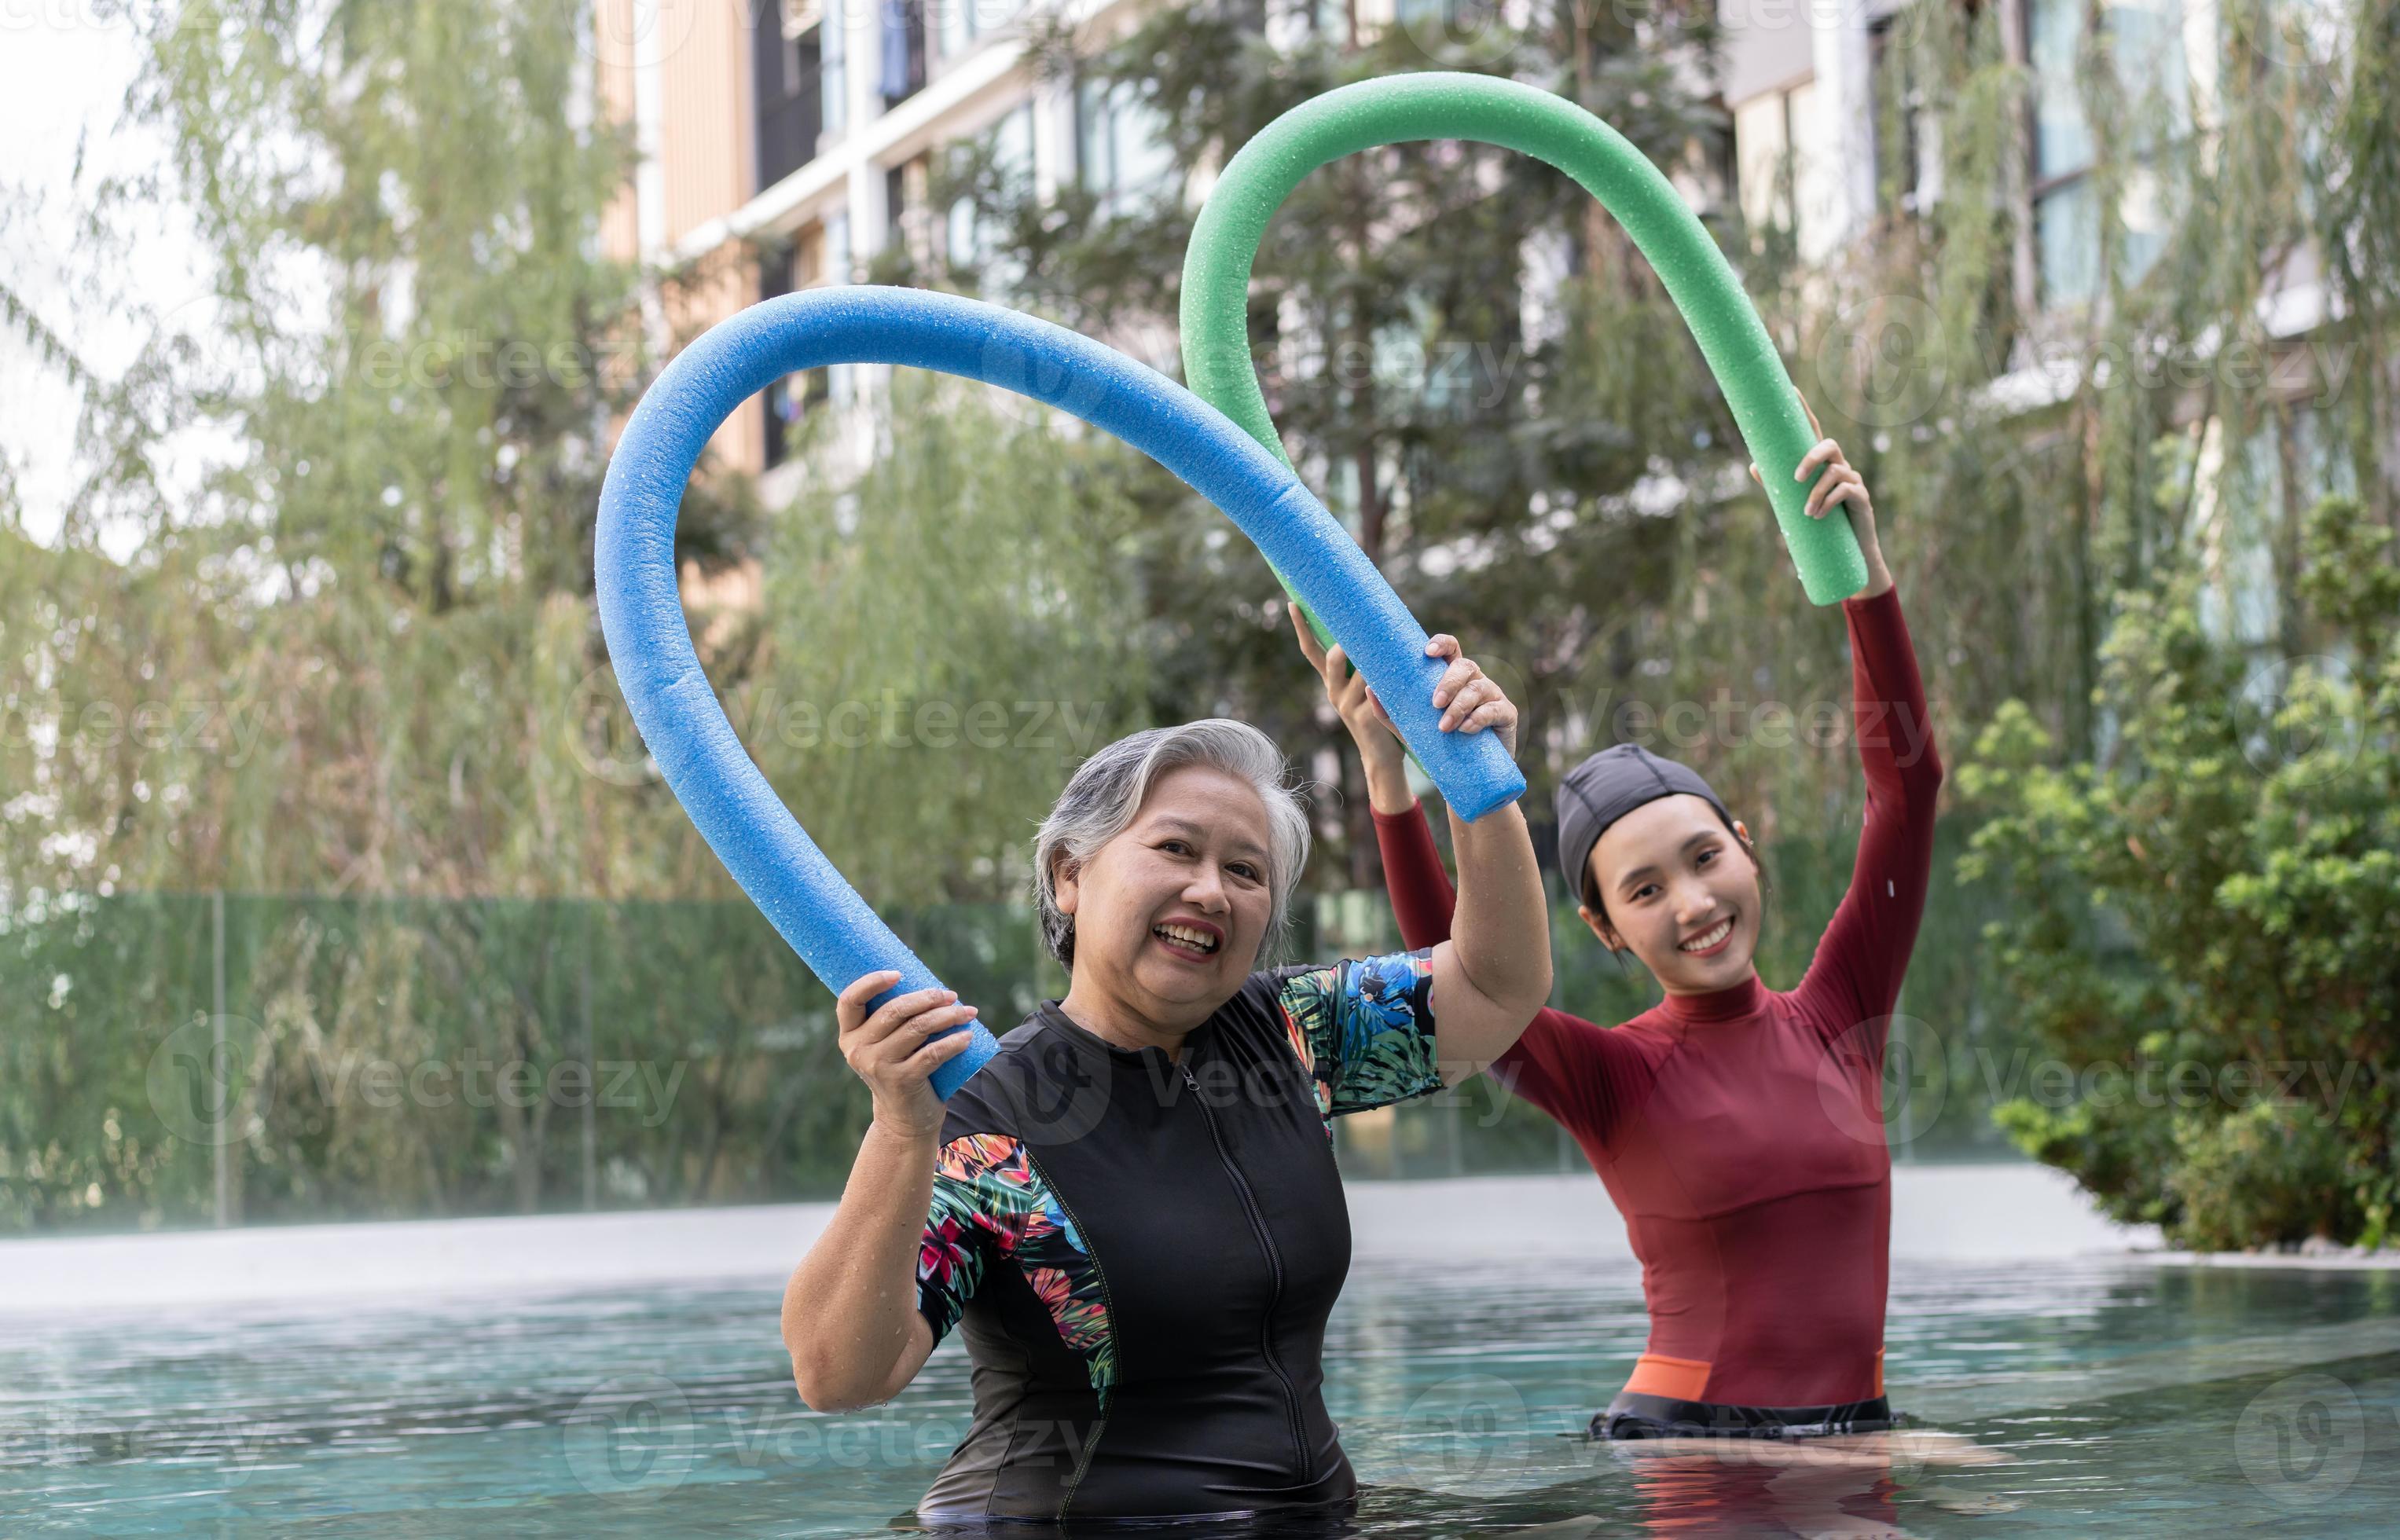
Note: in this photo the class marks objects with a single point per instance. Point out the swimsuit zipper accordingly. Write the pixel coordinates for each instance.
(1274, 1271)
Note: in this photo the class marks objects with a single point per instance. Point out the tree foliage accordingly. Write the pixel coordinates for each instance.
(2082, 497)
(317, 616)
(2205, 921)
(339, 653)
(319, 622)
(942, 640)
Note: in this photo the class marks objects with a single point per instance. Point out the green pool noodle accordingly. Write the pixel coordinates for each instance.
(1440, 105)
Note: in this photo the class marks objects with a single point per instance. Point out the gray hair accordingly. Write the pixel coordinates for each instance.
(1107, 790)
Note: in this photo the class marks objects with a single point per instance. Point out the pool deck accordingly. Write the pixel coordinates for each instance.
(1967, 1213)
(2385, 1261)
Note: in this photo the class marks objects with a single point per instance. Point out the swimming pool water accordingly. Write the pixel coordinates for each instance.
(2130, 1399)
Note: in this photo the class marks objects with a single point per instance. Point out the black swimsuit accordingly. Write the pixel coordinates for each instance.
(1142, 1253)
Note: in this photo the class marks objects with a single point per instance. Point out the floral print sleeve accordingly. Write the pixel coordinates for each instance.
(992, 1206)
(973, 1197)
(1363, 1030)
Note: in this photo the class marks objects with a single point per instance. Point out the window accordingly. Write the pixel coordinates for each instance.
(965, 22)
(2240, 601)
(1907, 131)
(1422, 18)
(2322, 457)
(787, 400)
(2244, 518)
(837, 247)
(2065, 237)
(967, 242)
(833, 70)
(1785, 173)
(900, 31)
(1120, 142)
(1762, 150)
(2143, 42)
(914, 232)
(786, 63)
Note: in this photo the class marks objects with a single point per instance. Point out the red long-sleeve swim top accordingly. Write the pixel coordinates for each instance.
(1740, 1132)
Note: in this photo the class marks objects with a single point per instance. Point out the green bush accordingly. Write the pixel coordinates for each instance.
(2218, 896)
(2275, 1171)
(2118, 1159)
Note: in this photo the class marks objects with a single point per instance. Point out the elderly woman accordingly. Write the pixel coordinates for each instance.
(1132, 1210)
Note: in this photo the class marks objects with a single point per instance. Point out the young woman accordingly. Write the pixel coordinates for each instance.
(1739, 1128)
(1132, 1211)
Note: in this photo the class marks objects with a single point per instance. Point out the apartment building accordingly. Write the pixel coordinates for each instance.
(1821, 80)
(786, 144)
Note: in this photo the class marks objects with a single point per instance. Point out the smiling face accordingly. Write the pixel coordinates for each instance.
(1670, 875)
(1170, 914)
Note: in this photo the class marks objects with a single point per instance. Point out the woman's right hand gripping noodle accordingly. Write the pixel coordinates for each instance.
(1421, 895)
(850, 1312)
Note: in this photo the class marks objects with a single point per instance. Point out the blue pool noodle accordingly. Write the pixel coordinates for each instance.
(686, 730)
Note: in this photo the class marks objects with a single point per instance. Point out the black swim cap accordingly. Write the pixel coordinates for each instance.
(1607, 786)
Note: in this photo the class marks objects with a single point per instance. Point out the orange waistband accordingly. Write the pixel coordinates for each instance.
(1688, 1379)
(1677, 1378)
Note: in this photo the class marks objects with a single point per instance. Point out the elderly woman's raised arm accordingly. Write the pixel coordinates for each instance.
(850, 1319)
(1493, 972)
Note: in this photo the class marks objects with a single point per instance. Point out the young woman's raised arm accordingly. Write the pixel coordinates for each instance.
(1853, 981)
